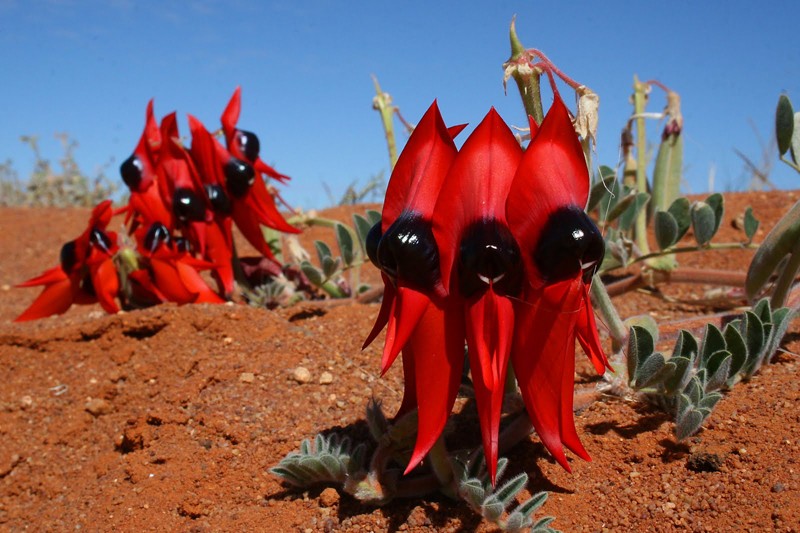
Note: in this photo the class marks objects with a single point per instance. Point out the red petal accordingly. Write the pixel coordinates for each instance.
(48, 277)
(476, 187)
(408, 307)
(195, 284)
(588, 337)
(552, 174)
(264, 168)
(384, 312)
(204, 153)
(248, 224)
(106, 285)
(231, 114)
(262, 202)
(490, 328)
(544, 361)
(420, 169)
(437, 346)
(55, 299)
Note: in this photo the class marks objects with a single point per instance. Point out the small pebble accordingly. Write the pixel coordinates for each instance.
(301, 375)
(778, 487)
(98, 407)
(328, 497)
(326, 378)
(227, 340)
(247, 377)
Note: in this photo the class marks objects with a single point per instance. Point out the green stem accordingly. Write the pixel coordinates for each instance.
(527, 83)
(383, 104)
(684, 249)
(791, 163)
(639, 103)
(601, 302)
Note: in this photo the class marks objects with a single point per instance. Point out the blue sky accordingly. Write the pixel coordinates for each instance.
(89, 68)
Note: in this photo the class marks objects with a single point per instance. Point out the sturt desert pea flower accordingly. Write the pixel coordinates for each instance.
(480, 262)
(418, 316)
(253, 205)
(86, 273)
(561, 249)
(219, 238)
(173, 273)
(145, 207)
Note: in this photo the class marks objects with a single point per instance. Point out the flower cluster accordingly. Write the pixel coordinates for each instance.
(491, 245)
(183, 204)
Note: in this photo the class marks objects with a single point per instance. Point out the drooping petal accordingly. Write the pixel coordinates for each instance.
(385, 311)
(586, 329)
(230, 116)
(408, 307)
(48, 277)
(544, 362)
(437, 347)
(106, 285)
(55, 299)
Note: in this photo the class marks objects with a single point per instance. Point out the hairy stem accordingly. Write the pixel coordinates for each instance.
(602, 304)
(784, 283)
(383, 104)
(639, 102)
(528, 82)
(678, 275)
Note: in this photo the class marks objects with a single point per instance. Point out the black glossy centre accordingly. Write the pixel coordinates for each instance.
(489, 256)
(101, 240)
(187, 205)
(239, 177)
(68, 257)
(408, 252)
(219, 201)
(132, 170)
(156, 235)
(248, 144)
(570, 244)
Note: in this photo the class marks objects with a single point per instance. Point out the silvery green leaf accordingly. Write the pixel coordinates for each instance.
(689, 423)
(628, 217)
(640, 347)
(718, 367)
(508, 491)
(778, 243)
(784, 124)
(373, 217)
(492, 508)
(703, 222)
(685, 346)
(648, 371)
(694, 390)
(666, 229)
(735, 344)
(323, 251)
(713, 341)
(345, 242)
(717, 203)
(752, 330)
(330, 266)
(710, 400)
(751, 223)
(680, 210)
(679, 376)
(763, 310)
(362, 226)
(796, 139)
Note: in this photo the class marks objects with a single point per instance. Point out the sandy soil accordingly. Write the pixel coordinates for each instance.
(168, 419)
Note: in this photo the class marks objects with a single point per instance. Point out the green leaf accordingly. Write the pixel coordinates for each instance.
(689, 423)
(763, 310)
(492, 508)
(362, 226)
(648, 371)
(735, 344)
(713, 342)
(796, 140)
(750, 224)
(752, 330)
(645, 321)
(667, 171)
(717, 203)
(640, 347)
(781, 319)
(686, 345)
(694, 390)
(709, 401)
(373, 217)
(314, 275)
(528, 507)
(703, 222)
(509, 490)
(330, 266)
(778, 243)
(666, 229)
(680, 373)
(718, 368)
(344, 239)
(784, 124)
(323, 251)
(681, 209)
(620, 207)
(628, 217)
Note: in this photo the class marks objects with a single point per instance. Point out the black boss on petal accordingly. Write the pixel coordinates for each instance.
(187, 205)
(100, 239)
(248, 144)
(239, 176)
(68, 256)
(570, 244)
(157, 234)
(373, 239)
(489, 256)
(131, 171)
(408, 252)
(219, 201)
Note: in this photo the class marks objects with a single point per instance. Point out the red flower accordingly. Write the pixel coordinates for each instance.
(561, 250)
(480, 262)
(86, 273)
(253, 205)
(421, 321)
